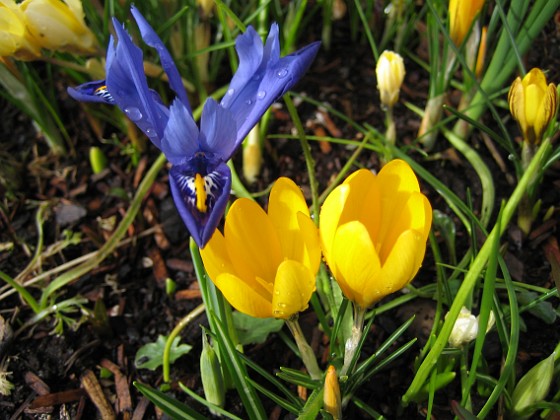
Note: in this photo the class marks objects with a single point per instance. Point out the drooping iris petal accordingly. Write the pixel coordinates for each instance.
(293, 286)
(128, 86)
(180, 138)
(92, 92)
(210, 192)
(153, 40)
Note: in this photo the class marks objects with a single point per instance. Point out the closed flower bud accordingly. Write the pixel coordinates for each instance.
(533, 387)
(533, 104)
(59, 26)
(211, 374)
(390, 76)
(331, 394)
(461, 17)
(465, 329)
(252, 156)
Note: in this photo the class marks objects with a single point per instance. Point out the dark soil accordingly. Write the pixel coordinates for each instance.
(128, 286)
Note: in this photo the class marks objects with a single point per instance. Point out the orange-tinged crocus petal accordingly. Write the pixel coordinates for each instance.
(251, 240)
(533, 104)
(293, 287)
(265, 264)
(243, 296)
(461, 16)
(373, 231)
(357, 262)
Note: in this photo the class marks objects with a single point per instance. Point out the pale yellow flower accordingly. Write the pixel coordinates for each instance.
(15, 39)
(373, 232)
(59, 25)
(265, 264)
(533, 104)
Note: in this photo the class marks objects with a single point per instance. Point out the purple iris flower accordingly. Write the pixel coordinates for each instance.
(200, 178)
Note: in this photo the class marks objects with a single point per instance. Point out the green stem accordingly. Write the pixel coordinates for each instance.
(174, 333)
(352, 343)
(305, 350)
(22, 291)
(473, 275)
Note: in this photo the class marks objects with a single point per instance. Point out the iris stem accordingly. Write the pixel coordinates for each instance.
(354, 340)
(306, 352)
(174, 333)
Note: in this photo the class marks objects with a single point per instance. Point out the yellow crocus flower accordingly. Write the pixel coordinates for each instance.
(461, 17)
(533, 104)
(265, 264)
(15, 39)
(59, 25)
(373, 231)
(390, 76)
(331, 395)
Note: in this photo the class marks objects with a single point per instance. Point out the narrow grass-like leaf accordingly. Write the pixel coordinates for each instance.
(312, 406)
(213, 407)
(287, 405)
(297, 377)
(170, 406)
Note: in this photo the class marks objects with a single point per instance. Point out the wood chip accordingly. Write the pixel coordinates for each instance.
(188, 294)
(124, 402)
(57, 398)
(159, 269)
(95, 393)
(36, 383)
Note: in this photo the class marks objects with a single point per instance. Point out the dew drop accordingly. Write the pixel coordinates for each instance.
(282, 73)
(230, 92)
(150, 132)
(248, 101)
(257, 77)
(133, 113)
(261, 94)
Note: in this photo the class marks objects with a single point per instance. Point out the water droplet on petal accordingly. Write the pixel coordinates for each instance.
(248, 101)
(133, 113)
(261, 94)
(257, 77)
(282, 73)
(150, 132)
(230, 92)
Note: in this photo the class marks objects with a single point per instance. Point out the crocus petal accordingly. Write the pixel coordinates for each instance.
(215, 257)
(357, 264)
(180, 138)
(258, 86)
(293, 286)
(92, 92)
(403, 262)
(251, 241)
(329, 219)
(217, 185)
(217, 128)
(309, 234)
(128, 86)
(153, 40)
(243, 297)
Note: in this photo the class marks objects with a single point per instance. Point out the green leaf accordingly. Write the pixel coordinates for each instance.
(170, 406)
(255, 330)
(542, 310)
(150, 356)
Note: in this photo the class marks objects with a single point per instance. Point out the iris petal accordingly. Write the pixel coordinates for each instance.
(92, 92)
(217, 128)
(128, 86)
(217, 184)
(180, 139)
(153, 40)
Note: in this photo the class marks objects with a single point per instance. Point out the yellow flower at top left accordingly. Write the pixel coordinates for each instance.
(265, 263)
(59, 25)
(15, 38)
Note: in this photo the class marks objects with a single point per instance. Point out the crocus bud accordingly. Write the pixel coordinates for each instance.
(533, 104)
(59, 26)
(532, 387)
(390, 75)
(331, 394)
(461, 17)
(211, 374)
(465, 329)
(252, 156)
(97, 159)
(16, 39)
